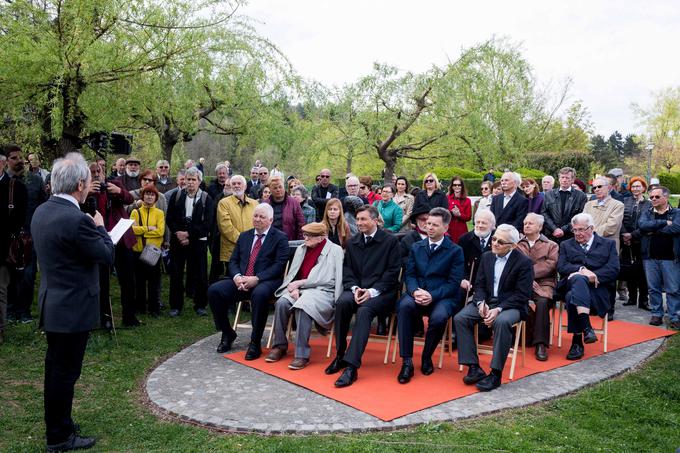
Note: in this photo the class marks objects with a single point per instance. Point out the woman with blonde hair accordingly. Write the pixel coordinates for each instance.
(431, 194)
(334, 219)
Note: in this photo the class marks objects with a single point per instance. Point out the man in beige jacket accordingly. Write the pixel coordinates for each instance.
(234, 216)
(608, 217)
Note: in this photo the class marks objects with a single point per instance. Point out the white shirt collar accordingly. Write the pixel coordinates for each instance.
(68, 197)
(264, 234)
(565, 190)
(438, 243)
(509, 195)
(504, 258)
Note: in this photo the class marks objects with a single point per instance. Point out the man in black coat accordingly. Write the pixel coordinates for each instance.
(323, 192)
(588, 266)
(474, 243)
(70, 246)
(418, 233)
(191, 214)
(561, 205)
(256, 270)
(502, 291)
(510, 207)
(370, 279)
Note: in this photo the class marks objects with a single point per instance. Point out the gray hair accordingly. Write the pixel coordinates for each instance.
(549, 178)
(488, 214)
(3, 158)
(238, 178)
(68, 172)
(351, 178)
(603, 180)
(221, 166)
(193, 171)
(303, 191)
(583, 218)
(567, 170)
(182, 172)
(538, 218)
(511, 230)
(267, 208)
(162, 162)
(665, 192)
(514, 175)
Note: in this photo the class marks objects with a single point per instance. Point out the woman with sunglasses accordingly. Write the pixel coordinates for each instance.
(147, 178)
(460, 207)
(431, 195)
(483, 202)
(530, 189)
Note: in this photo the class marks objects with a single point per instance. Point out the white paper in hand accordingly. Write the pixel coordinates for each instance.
(119, 230)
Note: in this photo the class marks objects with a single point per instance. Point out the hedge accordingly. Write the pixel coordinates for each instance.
(670, 180)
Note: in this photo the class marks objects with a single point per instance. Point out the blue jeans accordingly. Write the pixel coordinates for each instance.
(664, 275)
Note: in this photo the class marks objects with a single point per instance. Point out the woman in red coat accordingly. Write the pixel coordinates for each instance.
(460, 207)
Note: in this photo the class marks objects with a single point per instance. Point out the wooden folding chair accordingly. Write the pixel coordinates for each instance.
(520, 337)
(447, 340)
(602, 331)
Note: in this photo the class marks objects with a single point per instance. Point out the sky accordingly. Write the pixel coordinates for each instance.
(615, 52)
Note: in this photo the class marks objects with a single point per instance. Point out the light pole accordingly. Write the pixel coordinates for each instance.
(649, 148)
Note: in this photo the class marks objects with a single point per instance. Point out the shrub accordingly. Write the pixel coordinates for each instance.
(670, 180)
(552, 161)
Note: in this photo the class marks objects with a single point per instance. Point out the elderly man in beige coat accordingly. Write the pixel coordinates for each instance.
(310, 289)
(234, 216)
(607, 212)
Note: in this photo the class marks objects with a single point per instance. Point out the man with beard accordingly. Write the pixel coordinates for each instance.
(474, 243)
(130, 179)
(234, 216)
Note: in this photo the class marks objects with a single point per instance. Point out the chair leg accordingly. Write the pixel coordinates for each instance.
(518, 332)
(238, 313)
(271, 334)
(449, 337)
(559, 325)
(396, 346)
(605, 335)
(330, 341)
(442, 345)
(524, 341)
(390, 331)
(552, 326)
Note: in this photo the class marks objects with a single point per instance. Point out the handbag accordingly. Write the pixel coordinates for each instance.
(150, 253)
(19, 253)
(629, 267)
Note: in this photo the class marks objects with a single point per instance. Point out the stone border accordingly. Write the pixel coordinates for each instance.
(200, 387)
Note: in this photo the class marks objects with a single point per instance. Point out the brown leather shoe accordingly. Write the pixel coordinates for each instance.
(298, 363)
(541, 352)
(276, 354)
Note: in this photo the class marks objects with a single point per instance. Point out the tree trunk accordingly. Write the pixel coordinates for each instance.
(390, 166)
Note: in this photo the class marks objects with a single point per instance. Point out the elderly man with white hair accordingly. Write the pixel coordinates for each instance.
(511, 206)
(164, 182)
(543, 252)
(588, 265)
(501, 298)
(255, 272)
(474, 243)
(547, 183)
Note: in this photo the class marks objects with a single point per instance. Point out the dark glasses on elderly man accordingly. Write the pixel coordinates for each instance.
(499, 241)
(598, 187)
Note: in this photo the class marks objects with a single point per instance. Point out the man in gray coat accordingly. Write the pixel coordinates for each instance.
(70, 246)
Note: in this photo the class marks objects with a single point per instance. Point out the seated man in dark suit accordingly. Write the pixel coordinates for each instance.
(474, 243)
(588, 266)
(370, 278)
(511, 206)
(256, 271)
(501, 298)
(433, 275)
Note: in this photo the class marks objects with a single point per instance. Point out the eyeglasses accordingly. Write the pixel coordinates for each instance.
(429, 181)
(457, 185)
(309, 236)
(580, 230)
(325, 176)
(147, 179)
(486, 188)
(163, 166)
(352, 185)
(500, 241)
(655, 197)
(263, 173)
(598, 187)
(362, 187)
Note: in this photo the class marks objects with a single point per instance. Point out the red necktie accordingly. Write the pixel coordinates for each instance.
(253, 255)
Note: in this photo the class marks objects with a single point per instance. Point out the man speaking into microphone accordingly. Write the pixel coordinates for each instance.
(70, 246)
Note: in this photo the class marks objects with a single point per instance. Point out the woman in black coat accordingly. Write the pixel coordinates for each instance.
(431, 194)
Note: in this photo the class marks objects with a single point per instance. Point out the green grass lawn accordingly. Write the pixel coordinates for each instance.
(637, 412)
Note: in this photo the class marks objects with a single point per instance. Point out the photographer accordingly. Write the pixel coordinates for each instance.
(110, 198)
(191, 213)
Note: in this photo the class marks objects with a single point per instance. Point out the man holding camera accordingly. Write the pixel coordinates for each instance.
(503, 287)
(70, 246)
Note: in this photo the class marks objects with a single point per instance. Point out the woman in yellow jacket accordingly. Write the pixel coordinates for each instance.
(149, 228)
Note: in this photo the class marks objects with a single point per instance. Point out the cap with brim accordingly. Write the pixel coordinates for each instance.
(132, 160)
(616, 172)
(315, 229)
(419, 210)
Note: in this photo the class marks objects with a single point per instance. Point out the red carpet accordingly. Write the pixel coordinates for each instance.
(378, 393)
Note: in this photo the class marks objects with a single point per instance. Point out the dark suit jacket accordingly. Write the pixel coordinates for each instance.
(439, 273)
(515, 211)
(405, 243)
(70, 249)
(553, 215)
(271, 260)
(375, 265)
(11, 223)
(472, 251)
(202, 218)
(601, 258)
(515, 286)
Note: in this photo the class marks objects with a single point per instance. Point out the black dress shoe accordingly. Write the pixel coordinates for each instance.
(644, 306)
(629, 302)
(589, 336)
(575, 352)
(490, 382)
(406, 373)
(474, 375)
(73, 443)
(382, 327)
(254, 351)
(226, 342)
(610, 316)
(541, 352)
(347, 377)
(426, 366)
(336, 365)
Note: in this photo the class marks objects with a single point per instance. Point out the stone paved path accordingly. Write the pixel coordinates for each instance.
(201, 386)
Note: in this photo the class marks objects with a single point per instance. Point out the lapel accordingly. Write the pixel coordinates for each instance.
(267, 244)
(508, 266)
